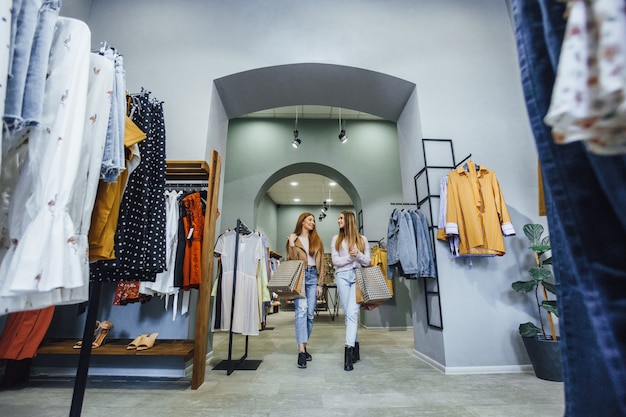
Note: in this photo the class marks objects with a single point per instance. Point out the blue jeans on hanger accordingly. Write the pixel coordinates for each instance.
(586, 207)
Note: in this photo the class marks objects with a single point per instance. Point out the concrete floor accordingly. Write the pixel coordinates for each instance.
(388, 381)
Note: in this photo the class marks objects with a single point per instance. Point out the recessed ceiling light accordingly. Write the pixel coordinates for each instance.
(293, 183)
(332, 184)
(297, 200)
(329, 199)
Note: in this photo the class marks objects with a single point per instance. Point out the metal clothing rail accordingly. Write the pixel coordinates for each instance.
(242, 364)
(431, 286)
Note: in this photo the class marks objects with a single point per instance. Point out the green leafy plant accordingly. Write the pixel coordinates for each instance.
(538, 282)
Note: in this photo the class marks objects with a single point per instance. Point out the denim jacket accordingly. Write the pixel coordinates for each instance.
(401, 245)
(425, 256)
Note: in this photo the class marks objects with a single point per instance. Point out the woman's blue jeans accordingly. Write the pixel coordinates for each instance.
(586, 207)
(346, 288)
(305, 307)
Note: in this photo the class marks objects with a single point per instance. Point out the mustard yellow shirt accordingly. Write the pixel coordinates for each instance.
(476, 211)
(106, 209)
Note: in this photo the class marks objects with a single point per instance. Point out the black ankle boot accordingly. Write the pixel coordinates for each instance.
(347, 358)
(357, 355)
(301, 360)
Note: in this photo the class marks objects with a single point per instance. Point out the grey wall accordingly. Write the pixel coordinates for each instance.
(459, 54)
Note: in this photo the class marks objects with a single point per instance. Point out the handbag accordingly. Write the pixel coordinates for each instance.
(288, 280)
(371, 288)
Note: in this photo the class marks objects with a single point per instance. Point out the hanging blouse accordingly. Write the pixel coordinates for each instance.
(476, 211)
(164, 282)
(589, 96)
(43, 267)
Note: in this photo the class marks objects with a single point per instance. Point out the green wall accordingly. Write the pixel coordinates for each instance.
(369, 161)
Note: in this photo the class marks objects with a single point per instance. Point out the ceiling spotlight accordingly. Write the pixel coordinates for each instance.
(322, 216)
(324, 208)
(296, 140)
(342, 136)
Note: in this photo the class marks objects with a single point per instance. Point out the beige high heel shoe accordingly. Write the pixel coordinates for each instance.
(147, 342)
(106, 327)
(79, 344)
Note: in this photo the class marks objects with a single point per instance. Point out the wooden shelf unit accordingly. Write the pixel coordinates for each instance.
(176, 171)
(184, 348)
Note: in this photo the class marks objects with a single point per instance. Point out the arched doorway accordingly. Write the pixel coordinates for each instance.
(391, 98)
(313, 168)
(322, 84)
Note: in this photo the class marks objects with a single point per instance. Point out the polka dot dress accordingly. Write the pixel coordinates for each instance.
(140, 236)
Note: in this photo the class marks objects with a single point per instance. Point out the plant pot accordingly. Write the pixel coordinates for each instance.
(545, 356)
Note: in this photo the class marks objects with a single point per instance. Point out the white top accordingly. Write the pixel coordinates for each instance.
(342, 259)
(305, 244)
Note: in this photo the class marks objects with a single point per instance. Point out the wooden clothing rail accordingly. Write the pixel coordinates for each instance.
(176, 171)
(204, 292)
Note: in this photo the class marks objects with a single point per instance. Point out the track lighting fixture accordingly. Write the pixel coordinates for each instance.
(296, 135)
(323, 211)
(342, 136)
(296, 140)
(342, 132)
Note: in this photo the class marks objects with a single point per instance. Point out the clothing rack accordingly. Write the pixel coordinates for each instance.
(174, 186)
(191, 169)
(241, 363)
(402, 204)
(378, 242)
(431, 286)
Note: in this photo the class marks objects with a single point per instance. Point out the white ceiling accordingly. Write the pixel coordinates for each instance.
(311, 189)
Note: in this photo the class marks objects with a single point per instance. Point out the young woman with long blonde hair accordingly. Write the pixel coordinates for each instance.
(350, 250)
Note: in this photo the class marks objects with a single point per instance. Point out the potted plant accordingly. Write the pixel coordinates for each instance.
(543, 348)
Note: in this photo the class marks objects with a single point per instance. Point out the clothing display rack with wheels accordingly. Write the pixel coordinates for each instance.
(229, 364)
(196, 348)
(422, 181)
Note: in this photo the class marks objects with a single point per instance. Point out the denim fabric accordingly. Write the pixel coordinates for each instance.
(393, 227)
(586, 207)
(305, 307)
(425, 257)
(38, 66)
(346, 289)
(120, 103)
(24, 21)
(113, 158)
(405, 245)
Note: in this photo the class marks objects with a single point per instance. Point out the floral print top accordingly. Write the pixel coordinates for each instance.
(588, 99)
